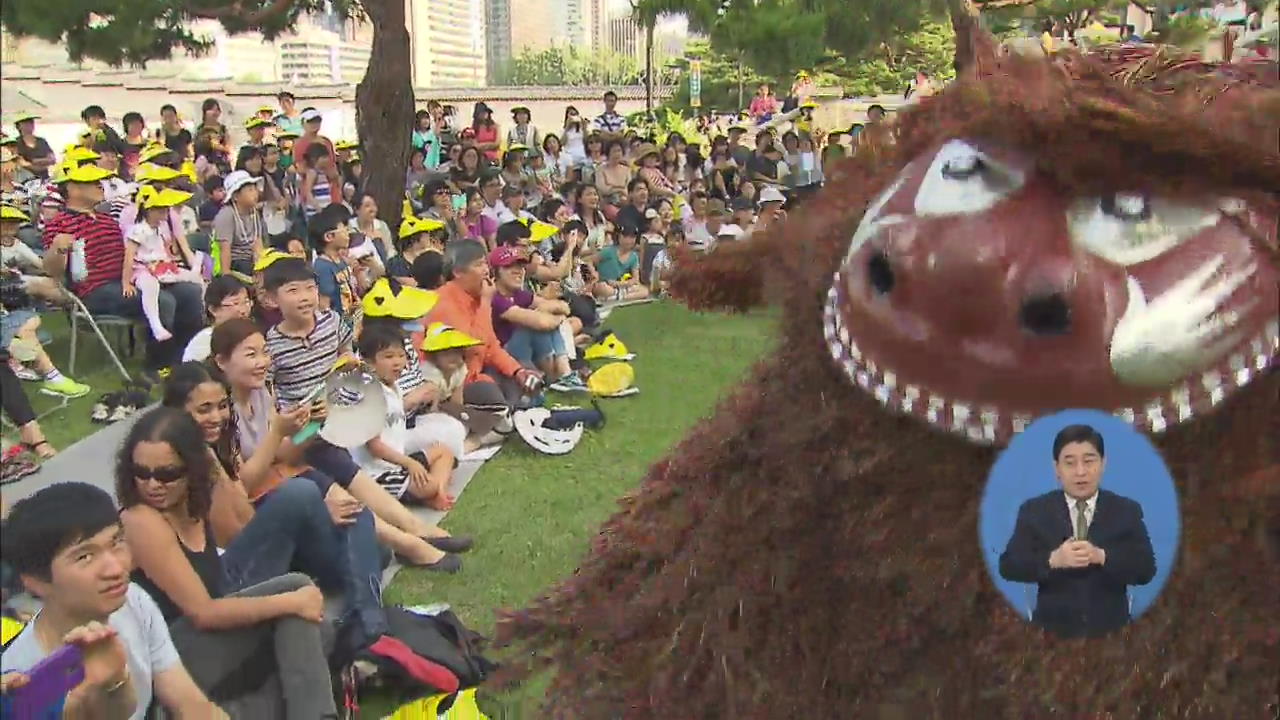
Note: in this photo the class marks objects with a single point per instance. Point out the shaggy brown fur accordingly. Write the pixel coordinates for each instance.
(803, 554)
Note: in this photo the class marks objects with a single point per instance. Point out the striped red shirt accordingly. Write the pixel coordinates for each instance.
(103, 246)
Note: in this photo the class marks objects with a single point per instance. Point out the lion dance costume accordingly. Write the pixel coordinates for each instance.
(1079, 231)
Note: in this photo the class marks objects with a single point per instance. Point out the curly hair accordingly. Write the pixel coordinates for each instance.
(179, 431)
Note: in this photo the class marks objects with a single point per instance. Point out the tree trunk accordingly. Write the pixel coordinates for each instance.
(648, 67)
(964, 21)
(384, 109)
(741, 87)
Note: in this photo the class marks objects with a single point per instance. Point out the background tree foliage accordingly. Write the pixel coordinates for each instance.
(133, 32)
(570, 66)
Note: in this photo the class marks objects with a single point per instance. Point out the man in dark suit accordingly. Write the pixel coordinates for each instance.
(1082, 546)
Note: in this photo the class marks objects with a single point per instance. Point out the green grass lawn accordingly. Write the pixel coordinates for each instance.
(532, 515)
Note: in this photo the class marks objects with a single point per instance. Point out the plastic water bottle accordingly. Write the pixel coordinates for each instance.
(79, 266)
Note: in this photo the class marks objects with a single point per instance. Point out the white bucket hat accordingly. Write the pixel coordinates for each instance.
(236, 180)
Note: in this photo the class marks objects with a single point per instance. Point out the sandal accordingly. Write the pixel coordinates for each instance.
(49, 451)
(447, 564)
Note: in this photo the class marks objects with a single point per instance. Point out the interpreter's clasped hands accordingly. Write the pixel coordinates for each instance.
(1077, 554)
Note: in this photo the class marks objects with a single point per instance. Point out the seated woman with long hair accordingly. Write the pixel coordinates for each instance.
(239, 350)
(338, 543)
(165, 482)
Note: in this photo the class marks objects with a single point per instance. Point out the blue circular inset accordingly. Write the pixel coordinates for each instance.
(1133, 469)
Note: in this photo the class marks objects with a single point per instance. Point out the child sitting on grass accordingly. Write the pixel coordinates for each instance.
(148, 261)
(410, 463)
(618, 267)
(660, 275)
(444, 366)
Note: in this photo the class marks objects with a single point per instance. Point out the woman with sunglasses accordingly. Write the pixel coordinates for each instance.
(165, 481)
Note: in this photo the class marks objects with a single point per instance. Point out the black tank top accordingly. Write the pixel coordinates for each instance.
(208, 567)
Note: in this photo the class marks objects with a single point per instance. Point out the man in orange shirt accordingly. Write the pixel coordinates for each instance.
(493, 376)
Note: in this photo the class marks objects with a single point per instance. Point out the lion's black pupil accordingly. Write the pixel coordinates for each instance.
(1126, 206)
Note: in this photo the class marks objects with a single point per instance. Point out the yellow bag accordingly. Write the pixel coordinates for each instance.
(464, 708)
(9, 629)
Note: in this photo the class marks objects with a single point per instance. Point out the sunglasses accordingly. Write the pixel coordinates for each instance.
(162, 475)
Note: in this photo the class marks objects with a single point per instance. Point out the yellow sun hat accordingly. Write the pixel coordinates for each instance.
(268, 258)
(150, 172)
(809, 104)
(608, 347)
(540, 230)
(440, 337)
(8, 212)
(346, 145)
(266, 108)
(388, 298)
(613, 380)
(79, 154)
(7, 155)
(414, 225)
(149, 197)
(256, 121)
(86, 174)
(23, 117)
(152, 151)
(287, 135)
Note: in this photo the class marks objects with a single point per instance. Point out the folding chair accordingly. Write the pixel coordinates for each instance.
(79, 313)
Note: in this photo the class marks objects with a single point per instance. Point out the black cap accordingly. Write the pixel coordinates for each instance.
(741, 203)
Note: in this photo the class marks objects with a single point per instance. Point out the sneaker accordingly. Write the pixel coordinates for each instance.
(66, 387)
(569, 384)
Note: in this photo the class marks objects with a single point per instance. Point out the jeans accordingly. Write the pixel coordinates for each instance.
(290, 526)
(272, 669)
(181, 312)
(298, 534)
(529, 347)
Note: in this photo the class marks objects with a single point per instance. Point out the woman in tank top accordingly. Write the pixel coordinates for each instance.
(165, 483)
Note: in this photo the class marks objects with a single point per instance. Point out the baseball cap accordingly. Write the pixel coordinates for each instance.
(506, 256)
(740, 203)
(771, 194)
(310, 114)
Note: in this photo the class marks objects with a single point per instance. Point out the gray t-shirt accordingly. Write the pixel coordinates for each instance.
(241, 230)
(141, 628)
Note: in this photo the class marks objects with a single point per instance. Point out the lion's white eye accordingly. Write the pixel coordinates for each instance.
(963, 180)
(1130, 228)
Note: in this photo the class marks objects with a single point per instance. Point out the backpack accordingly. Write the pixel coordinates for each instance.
(433, 654)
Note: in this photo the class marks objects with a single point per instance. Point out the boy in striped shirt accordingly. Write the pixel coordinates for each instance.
(304, 346)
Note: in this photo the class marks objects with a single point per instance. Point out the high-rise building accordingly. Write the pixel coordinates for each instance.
(624, 35)
(513, 26)
(577, 19)
(447, 42)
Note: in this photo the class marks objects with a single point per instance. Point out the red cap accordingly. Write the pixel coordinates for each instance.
(506, 256)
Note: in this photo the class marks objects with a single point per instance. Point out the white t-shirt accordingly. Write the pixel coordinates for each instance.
(395, 433)
(140, 627)
(199, 348)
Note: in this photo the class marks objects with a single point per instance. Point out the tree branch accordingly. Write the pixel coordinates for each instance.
(992, 4)
(237, 12)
